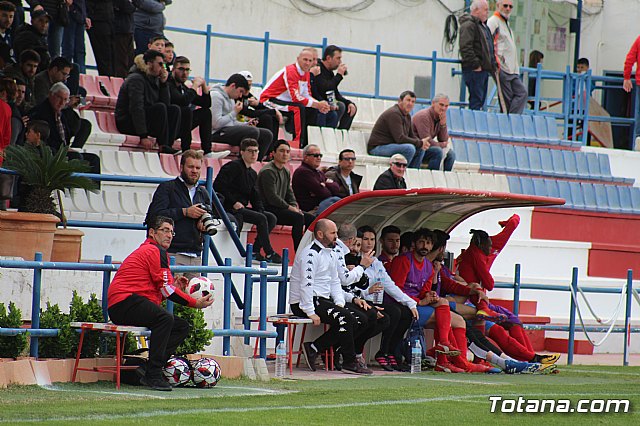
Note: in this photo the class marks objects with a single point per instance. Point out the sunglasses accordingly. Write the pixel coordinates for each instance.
(349, 158)
(315, 155)
(401, 165)
(507, 6)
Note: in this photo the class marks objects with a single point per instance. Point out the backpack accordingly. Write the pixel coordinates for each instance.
(415, 333)
(130, 377)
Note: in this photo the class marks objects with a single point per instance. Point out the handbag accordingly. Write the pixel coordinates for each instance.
(415, 333)
(63, 14)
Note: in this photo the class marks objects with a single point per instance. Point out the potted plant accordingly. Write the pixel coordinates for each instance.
(41, 173)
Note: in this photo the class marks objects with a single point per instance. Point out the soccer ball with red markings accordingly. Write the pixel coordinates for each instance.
(206, 372)
(199, 287)
(177, 371)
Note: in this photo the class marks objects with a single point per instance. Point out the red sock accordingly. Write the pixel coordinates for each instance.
(510, 345)
(518, 333)
(481, 305)
(443, 324)
(460, 335)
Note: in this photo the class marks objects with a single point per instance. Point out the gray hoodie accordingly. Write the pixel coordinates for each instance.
(223, 113)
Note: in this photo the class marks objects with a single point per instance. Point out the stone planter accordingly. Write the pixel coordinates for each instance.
(23, 234)
(67, 245)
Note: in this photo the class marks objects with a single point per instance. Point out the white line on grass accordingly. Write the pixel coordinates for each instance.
(136, 394)
(617, 373)
(436, 379)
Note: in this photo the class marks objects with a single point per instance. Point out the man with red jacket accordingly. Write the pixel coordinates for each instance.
(633, 57)
(289, 90)
(137, 289)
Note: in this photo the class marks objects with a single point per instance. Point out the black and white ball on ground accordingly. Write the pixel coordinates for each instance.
(177, 371)
(206, 372)
(199, 287)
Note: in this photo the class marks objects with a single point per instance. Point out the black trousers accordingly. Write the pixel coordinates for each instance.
(167, 331)
(299, 117)
(101, 38)
(297, 222)
(189, 120)
(233, 135)
(122, 54)
(163, 122)
(264, 221)
(342, 331)
(92, 159)
(399, 322)
(368, 323)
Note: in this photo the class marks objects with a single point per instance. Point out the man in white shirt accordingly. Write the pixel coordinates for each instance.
(513, 90)
(315, 293)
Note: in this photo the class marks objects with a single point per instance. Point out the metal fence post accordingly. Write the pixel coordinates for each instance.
(226, 315)
(263, 310)
(35, 305)
(585, 98)
(566, 106)
(106, 280)
(516, 290)
(282, 292)
(572, 316)
(172, 262)
(434, 70)
(376, 90)
(265, 59)
(538, 88)
(207, 54)
(627, 319)
(248, 293)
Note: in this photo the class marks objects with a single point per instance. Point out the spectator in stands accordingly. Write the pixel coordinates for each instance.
(268, 118)
(236, 181)
(149, 22)
(315, 293)
(181, 200)
(535, 57)
(393, 134)
(582, 65)
(633, 58)
(137, 289)
(226, 103)
(7, 94)
(35, 136)
(383, 293)
(157, 43)
(343, 174)
(169, 54)
(62, 129)
(188, 99)
(289, 90)
(393, 177)
(274, 186)
(58, 11)
(144, 104)
(18, 16)
(101, 15)
(326, 83)
(17, 126)
(25, 70)
(476, 52)
(513, 91)
(73, 47)
(123, 36)
(34, 37)
(37, 132)
(431, 124)
(389, 244)
(7, 11)
(313, 191)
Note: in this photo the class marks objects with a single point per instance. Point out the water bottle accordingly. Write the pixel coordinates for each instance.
(378, 297)
(281, 360)
(416, 357)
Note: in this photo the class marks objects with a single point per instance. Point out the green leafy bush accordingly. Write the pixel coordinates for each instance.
(199, 335)
(11, 346)
(86, 312)
(62, 345)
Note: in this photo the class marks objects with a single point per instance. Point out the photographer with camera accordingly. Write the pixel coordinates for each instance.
(189, 206)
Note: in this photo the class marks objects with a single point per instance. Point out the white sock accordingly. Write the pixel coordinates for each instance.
(495, 359)
(477, 351)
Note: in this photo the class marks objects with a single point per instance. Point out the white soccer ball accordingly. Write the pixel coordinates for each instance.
(177, 371)
(206, 372)
(199, 287)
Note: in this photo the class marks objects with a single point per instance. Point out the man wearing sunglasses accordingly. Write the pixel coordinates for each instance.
(513, 90)
(393, 177)
(314, 192)
(342, 174)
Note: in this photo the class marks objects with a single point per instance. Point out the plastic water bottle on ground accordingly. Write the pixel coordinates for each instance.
(281, 360)
(416, 357)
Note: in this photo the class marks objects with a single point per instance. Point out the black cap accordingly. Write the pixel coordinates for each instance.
(35, 14)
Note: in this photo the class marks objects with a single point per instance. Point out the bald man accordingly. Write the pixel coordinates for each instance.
(315, 293)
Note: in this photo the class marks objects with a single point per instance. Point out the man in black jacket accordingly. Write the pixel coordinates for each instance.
(34, 37)
(187, 99)
(327, 82)
(144, 104)
(393, 177)
(25, 70)
(476, 52)
(237, 182)
(343, 174)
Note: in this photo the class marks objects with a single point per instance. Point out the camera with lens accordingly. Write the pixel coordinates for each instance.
(207, 220)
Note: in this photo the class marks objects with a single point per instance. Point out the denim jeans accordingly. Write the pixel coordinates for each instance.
(476, 82)
(324, 204)
(413, 156)
(73, 48)
(54, 39)
(433, 157)
(332, 118)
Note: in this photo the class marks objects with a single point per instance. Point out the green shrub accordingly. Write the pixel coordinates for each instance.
(62, 345)
(199, 335)
(11, 346)
(86, 312)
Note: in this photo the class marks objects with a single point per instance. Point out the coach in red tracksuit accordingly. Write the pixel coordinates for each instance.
(136, 291)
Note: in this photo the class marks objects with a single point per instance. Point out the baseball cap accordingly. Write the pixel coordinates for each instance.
(35, 14)
(246, 74)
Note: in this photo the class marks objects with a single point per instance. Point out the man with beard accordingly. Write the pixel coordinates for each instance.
(182, 200)
(390, 244)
